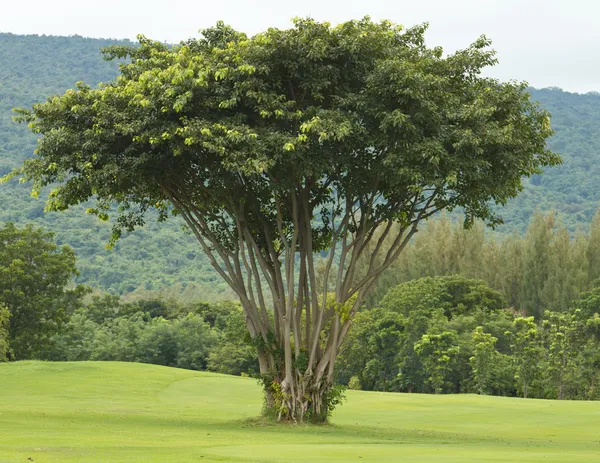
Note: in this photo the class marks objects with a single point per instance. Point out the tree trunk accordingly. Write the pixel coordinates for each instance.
(299, 331)
(305, 398)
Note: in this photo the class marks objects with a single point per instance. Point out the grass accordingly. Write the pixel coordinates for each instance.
(118, 412)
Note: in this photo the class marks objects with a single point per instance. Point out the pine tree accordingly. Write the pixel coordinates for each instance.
(536, 265)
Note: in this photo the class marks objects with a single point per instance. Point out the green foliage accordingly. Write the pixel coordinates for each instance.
(279, 400)
(354, 353)
(437, 353)
(544, 270)
(440, 344)
(536, 263)
(562, 337)
(152, 259)
(568, 189)
(527, 353)
(184, 343)
(589, 302)
(381, 366)
(227, 102)
(158, 332)
(34, 276)
(58, 54)
(334, 397)
(380, 351)
(234, 354)
(455, 295)
(4, 346)
(354, 384)
(483, 359)
(475, 350)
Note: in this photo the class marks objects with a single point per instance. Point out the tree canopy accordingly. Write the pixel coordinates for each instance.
(455, 295)
(291, 142)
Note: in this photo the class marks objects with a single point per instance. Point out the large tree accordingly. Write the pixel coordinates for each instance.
(276, 147)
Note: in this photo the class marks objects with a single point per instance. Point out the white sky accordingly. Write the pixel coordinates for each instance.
(545, 42)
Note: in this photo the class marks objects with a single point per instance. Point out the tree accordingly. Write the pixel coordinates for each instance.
(182, 343)
(4, 317)
(384, 344)
(508, 270)
(483, 359)
(526, 352)
(34, 276)
(438, 353)
(454, 294)
(590, 357)
(536, 264)
(354, 354)
(233, 354)
(564, 337)
(289, 143)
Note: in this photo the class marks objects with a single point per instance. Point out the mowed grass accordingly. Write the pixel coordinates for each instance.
(122, 412)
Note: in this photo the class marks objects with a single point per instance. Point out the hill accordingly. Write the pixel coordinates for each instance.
(571, 188)
(94, 412)
(159, 255)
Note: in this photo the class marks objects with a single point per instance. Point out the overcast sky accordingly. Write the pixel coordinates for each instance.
(545, 42)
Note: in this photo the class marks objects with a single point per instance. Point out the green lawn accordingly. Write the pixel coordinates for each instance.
(119, 412)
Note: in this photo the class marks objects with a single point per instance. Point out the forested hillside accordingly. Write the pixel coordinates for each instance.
(571, 188)
(34, 67)
(31, 69)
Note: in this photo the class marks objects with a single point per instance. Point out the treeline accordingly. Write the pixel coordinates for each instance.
(43, 315)
(196, 337)
(456, 335)
(545, 269)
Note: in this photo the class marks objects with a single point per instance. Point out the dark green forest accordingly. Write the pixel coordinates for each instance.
(160, 256)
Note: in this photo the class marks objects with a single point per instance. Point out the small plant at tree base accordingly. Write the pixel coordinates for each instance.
(338, 140)
(275, 402)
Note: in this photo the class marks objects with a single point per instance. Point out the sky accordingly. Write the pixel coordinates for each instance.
(548, 43)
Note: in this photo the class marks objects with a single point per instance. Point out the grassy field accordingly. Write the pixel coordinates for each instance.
(117, 412)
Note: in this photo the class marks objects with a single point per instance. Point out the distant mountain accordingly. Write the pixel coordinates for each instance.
(573, 188)
(35, 67)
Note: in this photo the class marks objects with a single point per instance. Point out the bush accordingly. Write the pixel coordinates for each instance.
(354, 383)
